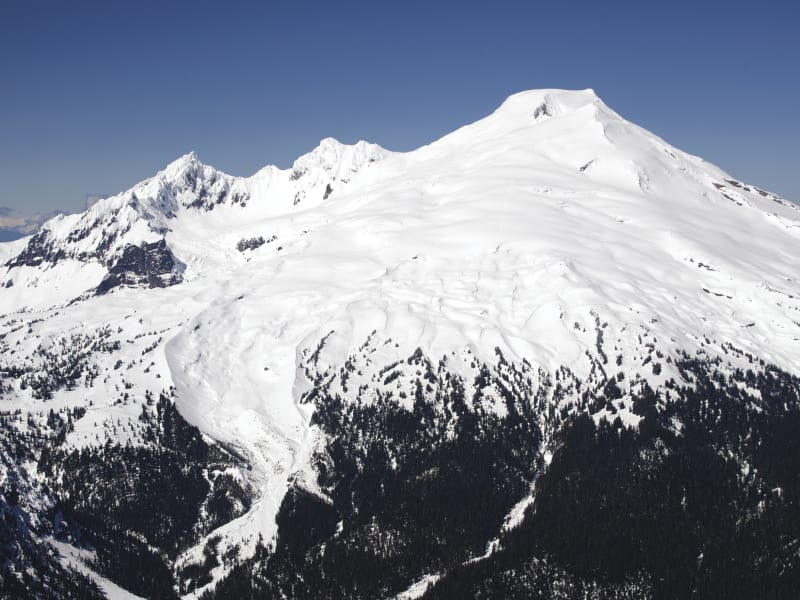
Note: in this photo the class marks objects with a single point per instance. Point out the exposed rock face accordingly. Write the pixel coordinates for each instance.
(250, 243)
(149, 265)
(37, 251)
(195, 185)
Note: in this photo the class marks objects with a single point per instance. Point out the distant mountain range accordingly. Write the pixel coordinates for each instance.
(13, 227)
(546, 356)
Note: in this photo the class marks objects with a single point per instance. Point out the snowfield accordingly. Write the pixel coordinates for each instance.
(520, 232)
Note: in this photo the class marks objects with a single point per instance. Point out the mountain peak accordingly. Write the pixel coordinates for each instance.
(549, 102)
(188, 161)
(338, 160)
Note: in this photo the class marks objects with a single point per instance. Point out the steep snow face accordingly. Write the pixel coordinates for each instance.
(71, 255)
(524, 231)
(334, 161)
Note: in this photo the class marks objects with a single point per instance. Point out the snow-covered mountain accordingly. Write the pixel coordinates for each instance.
(333, 334)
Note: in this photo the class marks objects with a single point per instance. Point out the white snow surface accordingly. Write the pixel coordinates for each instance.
(75, 558)
(511, 232)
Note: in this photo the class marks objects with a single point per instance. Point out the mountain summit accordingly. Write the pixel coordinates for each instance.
(376, 371)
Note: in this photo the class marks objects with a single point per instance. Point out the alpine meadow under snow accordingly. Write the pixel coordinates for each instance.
(548, 355)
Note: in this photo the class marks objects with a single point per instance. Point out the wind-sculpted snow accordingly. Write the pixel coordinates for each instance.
(553, 258)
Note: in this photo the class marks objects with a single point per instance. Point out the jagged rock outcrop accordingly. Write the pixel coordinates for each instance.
(148, 265)
(40, 249)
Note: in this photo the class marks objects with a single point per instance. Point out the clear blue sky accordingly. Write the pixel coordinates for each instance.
(97, 95)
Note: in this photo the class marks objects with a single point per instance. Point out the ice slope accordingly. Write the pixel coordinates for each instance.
(519, 231)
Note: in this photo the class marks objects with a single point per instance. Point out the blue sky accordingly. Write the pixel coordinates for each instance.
(98, 95)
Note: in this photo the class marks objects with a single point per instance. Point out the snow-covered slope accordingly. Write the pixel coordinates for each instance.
(86, 246)
(553, 230)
